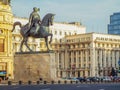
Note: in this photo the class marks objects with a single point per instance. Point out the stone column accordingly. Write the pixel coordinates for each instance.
(66, 59)
(104, 62)
(76, 63)
(72, 63)
(66, 62)
(62, 59)
(117, 58)
(57, 60)
(63, 64)
(113, 58)
(104, 58)
(81, 73)
(81, 58)
(109, 59)
(86, 57)
(77, 60)
(92, 54)
(100, 58)
(86, 63)
(72, 59)
(96, 63)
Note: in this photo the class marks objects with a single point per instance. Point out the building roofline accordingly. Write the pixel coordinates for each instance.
(92, 33)
(20, 17)
(66, 23)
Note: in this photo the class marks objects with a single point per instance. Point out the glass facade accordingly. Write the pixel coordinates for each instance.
(114, 26)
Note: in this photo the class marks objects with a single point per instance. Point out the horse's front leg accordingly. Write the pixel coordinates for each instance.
(46, 41)
(26, 39)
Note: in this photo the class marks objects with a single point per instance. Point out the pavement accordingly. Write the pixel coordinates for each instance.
(103, 86)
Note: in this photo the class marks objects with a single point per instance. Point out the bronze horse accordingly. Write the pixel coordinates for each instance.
(42, 31)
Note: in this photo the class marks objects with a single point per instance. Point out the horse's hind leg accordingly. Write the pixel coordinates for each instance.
(26, 39)
(21, 45)
(46, 41)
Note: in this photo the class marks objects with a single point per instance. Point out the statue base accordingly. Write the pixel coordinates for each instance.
(35, 65)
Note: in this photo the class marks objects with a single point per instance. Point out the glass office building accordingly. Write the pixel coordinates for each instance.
(114, 26)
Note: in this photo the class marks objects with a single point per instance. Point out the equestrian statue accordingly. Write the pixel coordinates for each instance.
(36, 28)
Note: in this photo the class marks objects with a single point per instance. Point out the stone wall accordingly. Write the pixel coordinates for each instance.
(34, 66)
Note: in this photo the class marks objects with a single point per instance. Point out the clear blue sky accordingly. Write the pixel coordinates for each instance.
(94, 14)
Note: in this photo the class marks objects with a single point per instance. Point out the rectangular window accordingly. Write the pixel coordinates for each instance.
(60, 33)
(55, 32)
(69, 33)
(1, 45)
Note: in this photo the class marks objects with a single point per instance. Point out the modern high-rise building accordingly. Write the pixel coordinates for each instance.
(114, 26)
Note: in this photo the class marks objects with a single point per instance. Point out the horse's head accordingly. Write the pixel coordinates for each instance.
(48, 19)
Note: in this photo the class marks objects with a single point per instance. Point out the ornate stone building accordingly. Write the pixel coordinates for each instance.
(89, 54)
(6, 53)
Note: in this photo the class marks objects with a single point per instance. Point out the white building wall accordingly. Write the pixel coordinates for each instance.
(60, 30)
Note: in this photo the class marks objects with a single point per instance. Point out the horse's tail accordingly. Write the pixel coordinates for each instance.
(16, 23)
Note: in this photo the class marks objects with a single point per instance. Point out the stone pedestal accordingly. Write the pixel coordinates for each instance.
(34, 66)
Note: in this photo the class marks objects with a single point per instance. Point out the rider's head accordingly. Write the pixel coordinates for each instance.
(36, 9)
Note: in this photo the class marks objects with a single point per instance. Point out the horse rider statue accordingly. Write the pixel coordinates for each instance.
(34, 21)
(36, 28)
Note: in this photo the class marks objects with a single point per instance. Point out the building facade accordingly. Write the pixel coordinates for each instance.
(6, 53)
(89, 54)
(114, 26)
